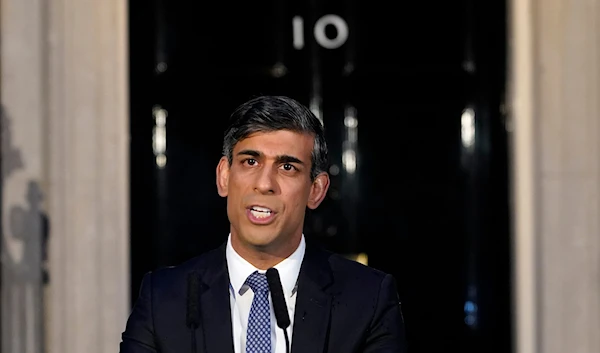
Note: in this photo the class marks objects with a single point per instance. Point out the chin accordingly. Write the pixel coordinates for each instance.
(260, 241)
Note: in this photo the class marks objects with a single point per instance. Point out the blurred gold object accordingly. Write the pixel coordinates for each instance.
(361, 258)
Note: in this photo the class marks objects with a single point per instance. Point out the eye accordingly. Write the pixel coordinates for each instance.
(250, 161)
(288, 167)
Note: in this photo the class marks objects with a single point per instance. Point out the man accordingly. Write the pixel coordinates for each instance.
(273, 167)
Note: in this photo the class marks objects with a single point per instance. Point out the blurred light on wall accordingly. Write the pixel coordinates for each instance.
(470, 313)
(278, 70)
(161, 67)
(467, 127)
(159, 136)
(349, 144)
(315, 107)
(471, 308)
(362, 258)
(334, 169)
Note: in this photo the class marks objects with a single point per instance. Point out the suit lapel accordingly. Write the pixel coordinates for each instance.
(215, 306)
(313, 304)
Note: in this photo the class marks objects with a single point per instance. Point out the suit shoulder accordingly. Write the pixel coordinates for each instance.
(171, 276)
(354, 270)
(354, 281)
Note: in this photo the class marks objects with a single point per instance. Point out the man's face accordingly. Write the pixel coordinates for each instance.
(268, 187)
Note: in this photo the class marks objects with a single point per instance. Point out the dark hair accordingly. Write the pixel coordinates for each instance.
(272, 113)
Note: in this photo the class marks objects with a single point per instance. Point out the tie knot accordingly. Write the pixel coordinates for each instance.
(258, 282)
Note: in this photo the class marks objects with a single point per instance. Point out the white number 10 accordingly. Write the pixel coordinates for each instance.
(319, 31)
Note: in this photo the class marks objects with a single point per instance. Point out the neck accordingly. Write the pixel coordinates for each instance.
(265, 257)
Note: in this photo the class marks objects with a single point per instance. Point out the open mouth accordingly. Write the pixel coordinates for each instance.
(261, 212)
(260, 215)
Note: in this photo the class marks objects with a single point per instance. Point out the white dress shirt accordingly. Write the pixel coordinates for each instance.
(241, 297)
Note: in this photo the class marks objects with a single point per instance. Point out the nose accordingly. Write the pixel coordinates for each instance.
(266, 182)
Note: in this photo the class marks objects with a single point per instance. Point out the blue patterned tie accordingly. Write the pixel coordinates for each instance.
(258, 336)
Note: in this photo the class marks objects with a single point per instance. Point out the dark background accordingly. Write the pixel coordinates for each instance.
(420, 205)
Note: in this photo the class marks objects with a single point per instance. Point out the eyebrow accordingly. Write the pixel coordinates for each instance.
(280, 159)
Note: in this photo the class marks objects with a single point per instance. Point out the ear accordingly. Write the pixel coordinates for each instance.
(318, 190)
(222, 176)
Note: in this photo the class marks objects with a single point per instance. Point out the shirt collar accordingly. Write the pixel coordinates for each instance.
(289, 269)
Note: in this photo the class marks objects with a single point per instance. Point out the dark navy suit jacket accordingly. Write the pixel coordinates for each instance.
(341, 306)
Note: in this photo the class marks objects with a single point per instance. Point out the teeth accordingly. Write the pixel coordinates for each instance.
(260, 212)
(260, 209)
